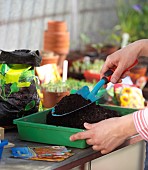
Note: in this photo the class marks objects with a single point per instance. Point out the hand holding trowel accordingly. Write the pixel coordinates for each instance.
(86, 94)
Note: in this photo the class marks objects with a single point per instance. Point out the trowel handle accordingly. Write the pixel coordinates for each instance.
(108, 73)
(103, 81)
(107, 77)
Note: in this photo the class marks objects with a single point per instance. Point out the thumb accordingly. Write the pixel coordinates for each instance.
(89, 126)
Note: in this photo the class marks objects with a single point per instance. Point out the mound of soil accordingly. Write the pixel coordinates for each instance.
(92, 113)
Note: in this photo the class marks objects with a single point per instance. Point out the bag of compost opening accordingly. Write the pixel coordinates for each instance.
(18, 93)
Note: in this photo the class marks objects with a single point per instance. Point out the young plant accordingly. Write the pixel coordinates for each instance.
(58, 86)
(81, 66)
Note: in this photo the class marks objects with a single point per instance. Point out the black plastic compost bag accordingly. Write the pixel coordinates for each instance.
(18, 93)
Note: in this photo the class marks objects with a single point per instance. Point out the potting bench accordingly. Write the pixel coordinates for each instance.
(80, 158)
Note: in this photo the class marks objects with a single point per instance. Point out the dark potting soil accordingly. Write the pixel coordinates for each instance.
(92, 113)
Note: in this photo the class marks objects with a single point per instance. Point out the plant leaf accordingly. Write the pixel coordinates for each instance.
(4, 69)
(14, 88)
(26, 75)
(30, 105)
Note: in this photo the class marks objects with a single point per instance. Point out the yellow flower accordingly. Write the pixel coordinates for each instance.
(126, 90)
(124, 99)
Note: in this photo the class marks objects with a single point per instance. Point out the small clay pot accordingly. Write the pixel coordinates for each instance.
(137, 72)
(57, 36)
(49, 58)
(89, 48)
(57, 45)
(91, 77)
(54, 26)
(61, 51)
(139, 69)
(50, 99)
(57, 50)
(109, 49)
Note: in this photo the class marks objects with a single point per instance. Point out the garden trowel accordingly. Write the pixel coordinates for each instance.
(86, 94)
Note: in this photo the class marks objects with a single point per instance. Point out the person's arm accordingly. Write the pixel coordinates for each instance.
(124, 58)
(141, 122)
(144, 47)
(108, 134)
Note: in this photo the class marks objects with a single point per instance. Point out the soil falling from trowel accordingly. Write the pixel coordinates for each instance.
(92, 113)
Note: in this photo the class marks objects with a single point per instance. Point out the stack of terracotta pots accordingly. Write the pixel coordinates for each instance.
(57, 39)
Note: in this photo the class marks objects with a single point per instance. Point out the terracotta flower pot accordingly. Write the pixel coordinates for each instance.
(61, 51)
(49, 58)
(57, 26)
(57, 45)
(50, 99)
(91, 77)
(109, 49)
(57, 42)
(137, 72)
(56, 36)
(140, 69)
(57, 50)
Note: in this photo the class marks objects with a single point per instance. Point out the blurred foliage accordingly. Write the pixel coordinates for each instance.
(110, 37)
(133, 18)
(86, 64)
(69, 85)
(85, 39)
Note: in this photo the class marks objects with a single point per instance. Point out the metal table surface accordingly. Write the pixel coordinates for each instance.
(80, 157)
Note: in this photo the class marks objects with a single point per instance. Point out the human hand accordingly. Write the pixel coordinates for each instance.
(121, 61)
(108, 134)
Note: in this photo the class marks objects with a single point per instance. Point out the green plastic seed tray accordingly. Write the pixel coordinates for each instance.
(121, 110)
(34, 128)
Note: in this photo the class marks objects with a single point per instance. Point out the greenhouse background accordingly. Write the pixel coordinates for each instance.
(22, 22)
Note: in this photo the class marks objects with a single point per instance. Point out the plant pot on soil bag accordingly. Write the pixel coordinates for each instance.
(18, 95)
(49, 58)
